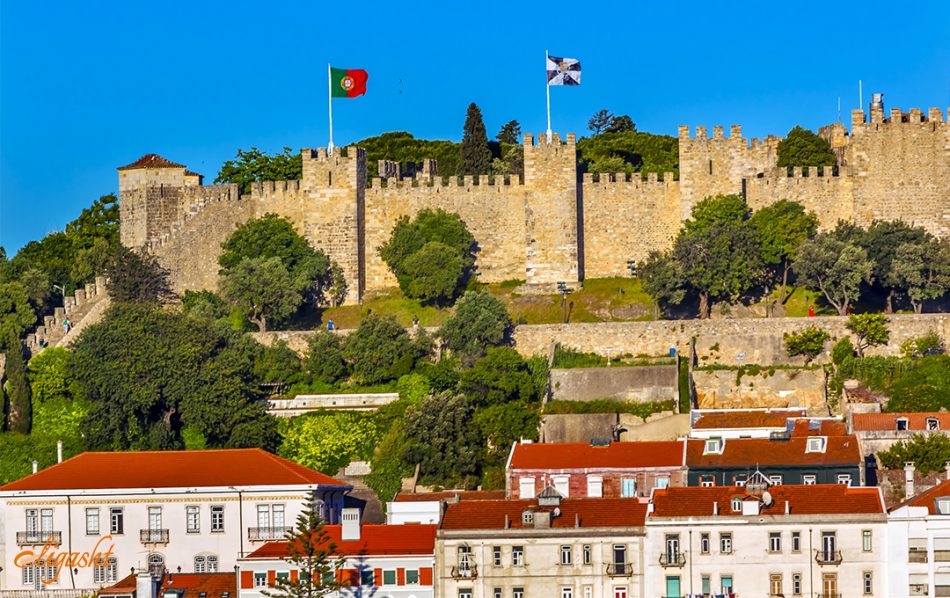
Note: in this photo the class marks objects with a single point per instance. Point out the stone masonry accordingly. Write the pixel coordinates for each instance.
(553, 225)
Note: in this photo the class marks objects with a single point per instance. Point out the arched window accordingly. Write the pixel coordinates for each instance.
(156, 564)
(200, 564)
(212, 563)
(206, 563)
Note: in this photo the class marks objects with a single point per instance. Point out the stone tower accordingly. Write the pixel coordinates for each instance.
(149, 198)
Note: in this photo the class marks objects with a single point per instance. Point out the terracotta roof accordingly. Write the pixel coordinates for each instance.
(588, 512)
(191, 584)
(581, 455)
(825, 499)
(750, 452)
(171, 469)
(375, 540)
(865, 422)
(740, 418)
(450, 494)
(927, 498)
(151, 161)
(126, 585)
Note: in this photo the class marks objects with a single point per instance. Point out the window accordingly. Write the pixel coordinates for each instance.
(29, 578)
(200, 564)
(412, 576)
(527, 517)
(562, 484)
(217, 518)
(567, 592)
(156, 565)
(517, 592)
(902, 423)
(775, 542)
(809, 479)
(775, 479)
(628, 487)
(662, 482)
(943, 506)
(465, 593)
(517, 556)
(263, 516)
(496, 593)
(736, 504)
(212, 563)
(725, 543)
(775, 584)
(816, 444)
(99, 573)
(260, 580)
(526, 488)
(620, 592)
(154, 519)
(707, 585)
(713, 446)
(726, 582)
(707, 480)
(496, 556)
(932, 424)
(796, 541)
(464, 558)
(92, 521)
(844, 478)
(192, 519)
(868, 578)
(389, 577)
(112, 570)
(704, 543)
(588, 557)
(739, 480)
(567, 554)
(866, 540)
(588, 592)
(796, 584)
(277, 516)
(116, 521)
(366, 577)
(595, 486)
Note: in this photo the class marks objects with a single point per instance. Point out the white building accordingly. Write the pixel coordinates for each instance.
(741, 423)
(919, 545)
(178, 511)
(827, 541)
(426, 507)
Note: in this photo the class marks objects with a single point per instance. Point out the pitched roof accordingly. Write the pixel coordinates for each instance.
(825, 499)
(450, 495)
(151, 161)
(587, 512)
(750, 452)
(375, 540)
(741, 418)
(213, 585)
(867, 422)
(927, 498)
(581, 455)
(171, 469)
(126, 585)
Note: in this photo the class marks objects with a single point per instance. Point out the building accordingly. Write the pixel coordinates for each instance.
(180, 511)
(877, 432)
(595, 469)
(543, 547)
(808, 455)
(383, 561)
(918, 533)
(174, 585)
(741, 423)
(426, 507)
(828, 541)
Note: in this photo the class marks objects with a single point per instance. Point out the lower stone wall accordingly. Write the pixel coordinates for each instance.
(719, 389)
(639, 384)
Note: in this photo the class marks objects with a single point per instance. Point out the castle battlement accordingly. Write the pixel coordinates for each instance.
(896, 116)
(632, 181)
(423, 183)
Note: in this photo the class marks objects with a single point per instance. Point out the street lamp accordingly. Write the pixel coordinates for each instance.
(564, 290)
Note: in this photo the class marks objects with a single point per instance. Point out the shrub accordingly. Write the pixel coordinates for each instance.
(808, 343)
(842, 350)
(929, 453)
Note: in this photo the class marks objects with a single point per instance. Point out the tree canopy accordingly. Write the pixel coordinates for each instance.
(782, 227)
(629, 152)
(802, 147)
(510, 133)
(474, 154)
(480, 321)
(137, 278)
(253, 165)
(836, 268)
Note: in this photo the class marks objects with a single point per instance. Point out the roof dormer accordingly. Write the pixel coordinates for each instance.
(816, 444)
(714, 446)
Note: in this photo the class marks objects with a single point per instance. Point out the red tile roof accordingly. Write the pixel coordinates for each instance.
(126, 585)
(750, 452)
(587, 512)
(739, 418)
(151, 161)
(171, 469)
(826, 499)
(375, 540)
(581, 455)
(450, 494)
(927, 498)
(867, 422)
(212, 584)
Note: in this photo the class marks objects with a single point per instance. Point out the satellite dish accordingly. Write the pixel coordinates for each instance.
(557, 512)
(767, 498)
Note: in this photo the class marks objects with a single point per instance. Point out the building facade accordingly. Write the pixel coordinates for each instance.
(877, 432)
(741, 423)
(918, 532)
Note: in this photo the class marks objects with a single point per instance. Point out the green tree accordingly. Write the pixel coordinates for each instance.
(325, 360)
(311, 552)
(98, 222)
(662, 278)
(836, 268)
(264, 289)
(379, 350)
(510, 133)
(801, 147)
(782, 227)
(16, 313)
(809, 343)
(401, 146)
(630, 151)
(253, 165)
(58, 408)
(620, 124)
(500, 377)
(718, 250)
(599, 121)
(504, 424)
(19, 407)
(928, 344)
(135, 278)
(432, 273)
(475, 157)
(328, 441)
(277, 363)
(480, 321)
(869, 329)
(93, 261)
(442, 440)
(922, 271)
(842, 351)
(881, 241)
(928, 452)
(923, 387)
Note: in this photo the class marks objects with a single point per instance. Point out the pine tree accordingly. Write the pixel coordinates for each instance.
(20, 406)
(311, 552)
(476, 157)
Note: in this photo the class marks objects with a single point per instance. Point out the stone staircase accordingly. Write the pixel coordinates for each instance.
(83, 308)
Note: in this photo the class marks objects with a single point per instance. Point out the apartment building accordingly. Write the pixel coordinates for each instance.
(179, 511)
(828, 541)
(918, 533)
(741, 423)
(426, 507)
(542, 547)
(877, 432)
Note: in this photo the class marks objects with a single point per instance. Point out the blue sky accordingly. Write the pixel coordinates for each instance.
(89, 86)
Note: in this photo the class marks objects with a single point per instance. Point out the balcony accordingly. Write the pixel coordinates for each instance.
(153, 536)
(39, 538)
(465, 572)
(829, 595)
(619, 569)
(828, 557)
(917, 555)
(672, 559)
(267, 533)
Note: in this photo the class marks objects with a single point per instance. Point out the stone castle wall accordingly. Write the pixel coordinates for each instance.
(551, 226)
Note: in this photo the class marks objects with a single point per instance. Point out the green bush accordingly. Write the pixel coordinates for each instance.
(808, 343)
(565, 357)
(643, 410)
(929, 453)
(327, 441)
(842, 351)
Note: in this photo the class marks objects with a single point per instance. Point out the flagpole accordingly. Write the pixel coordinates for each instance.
(547, 88)
(330, 107)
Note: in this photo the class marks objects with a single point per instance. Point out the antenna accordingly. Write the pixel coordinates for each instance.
(860, 94)
(839, 109)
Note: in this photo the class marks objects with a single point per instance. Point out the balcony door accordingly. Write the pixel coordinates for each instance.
(829, 584)
(673, 586)
(672, 548)
(155, 524)
(829, 545)
(620, 558)
(46, 522)
(33, 524)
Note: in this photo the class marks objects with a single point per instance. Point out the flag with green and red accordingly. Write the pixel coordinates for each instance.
(347, 83)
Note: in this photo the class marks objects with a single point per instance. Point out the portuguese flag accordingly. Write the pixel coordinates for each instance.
(347, 83)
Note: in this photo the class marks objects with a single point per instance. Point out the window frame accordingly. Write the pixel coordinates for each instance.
(192, 515)
(775, 542)
(724, 538)
(809, 479)
(217, 512)
(796, 584)
(98, 529)
(588, 553)
(628, 487)
(595, 482)
(867, 583)
(704, 543)
(867, 540)
(517, 556)
(566, 554)
(776, 578)
(496, 556)
(117, 521)
(386, 575)
(843, 476)
(796, 541)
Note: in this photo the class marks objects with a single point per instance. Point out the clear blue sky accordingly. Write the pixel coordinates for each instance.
(89, 86)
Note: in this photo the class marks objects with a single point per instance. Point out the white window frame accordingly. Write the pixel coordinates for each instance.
(796, 541)
(193, 519)
(517, 556)
(736, 505)
(92, 516)
(816, 444)
(628, 487)
(776, 479)
(775, 542)
(567, 592)
(844, 479)
(809, 479)
(661, 482)
(707, 480)
(595, 486)
(217, 519)
(116, 521)
(527, 488)
(867, 540)
(567, 554)
(496, 556)
(714, 446)
(260, 579)
(588, 554)
(796, 584)
(562, 483)
(704, 544)
(725, 543)
(867, 582)
(112, 570)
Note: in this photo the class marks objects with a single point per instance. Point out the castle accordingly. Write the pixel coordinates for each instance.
(551, 226)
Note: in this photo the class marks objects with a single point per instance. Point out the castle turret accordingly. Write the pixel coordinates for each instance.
(149, 198)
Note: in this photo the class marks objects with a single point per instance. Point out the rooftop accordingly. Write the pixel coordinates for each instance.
(869, 422)
(581, 455)
(185, 585)
(375, 540)
(151, 161)
(751, 452)
(450, 495)
(170, 469)
(579, 512)
(928, 498)
(826, 499)
(742, 418)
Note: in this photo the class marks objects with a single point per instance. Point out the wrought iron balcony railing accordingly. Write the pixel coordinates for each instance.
(154, 536)
(268, 533)
(672, 559)
(39, 538)
(619, 569)
(465, 572)
(828, 557)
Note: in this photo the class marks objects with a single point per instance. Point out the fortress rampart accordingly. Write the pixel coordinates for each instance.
(552, 225)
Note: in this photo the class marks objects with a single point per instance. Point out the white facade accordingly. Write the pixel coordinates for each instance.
(426, 512)
(919, 550)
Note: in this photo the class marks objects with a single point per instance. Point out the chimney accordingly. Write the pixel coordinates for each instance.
(59, 451)
(542, 520)
(143, 584)
(36, 465)
(946, 468)
(351, 524)
(908, 479)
